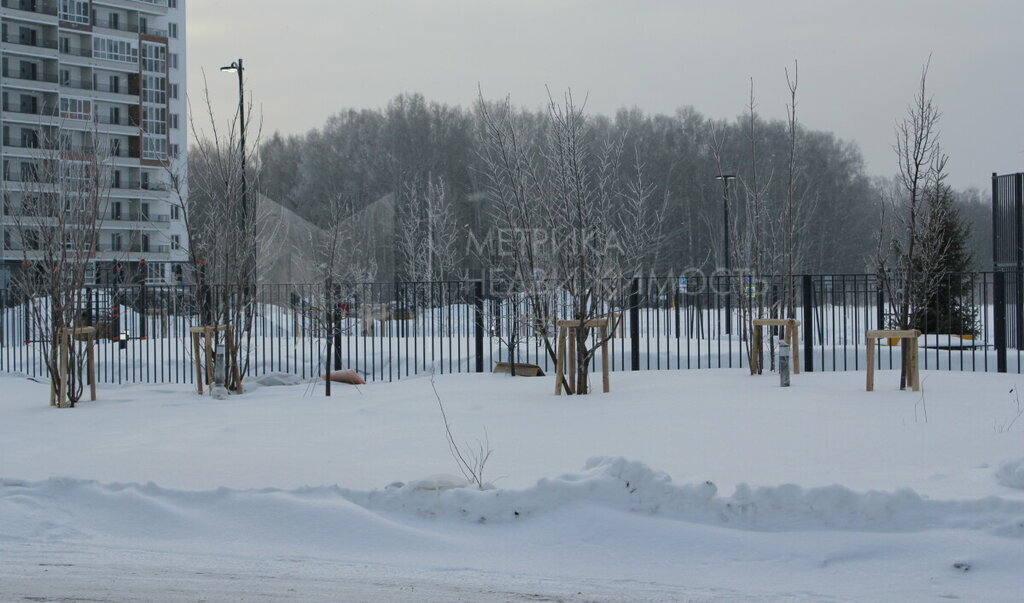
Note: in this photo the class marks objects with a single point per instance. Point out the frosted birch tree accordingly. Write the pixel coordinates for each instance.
(64, 193)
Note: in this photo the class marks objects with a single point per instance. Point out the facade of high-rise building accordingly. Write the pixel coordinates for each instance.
(98, 84)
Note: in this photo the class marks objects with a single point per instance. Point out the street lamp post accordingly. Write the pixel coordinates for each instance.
(236, 66)
(725, 178)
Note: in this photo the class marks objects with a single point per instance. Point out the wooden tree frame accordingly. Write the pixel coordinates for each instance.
(65, 339)
(913, 371)
(199, 352)
(564, 327)
(792, 337)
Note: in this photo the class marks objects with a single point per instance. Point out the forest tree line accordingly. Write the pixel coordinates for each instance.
(426, 156)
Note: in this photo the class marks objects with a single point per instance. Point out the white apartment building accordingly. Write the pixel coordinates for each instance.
(102, 77)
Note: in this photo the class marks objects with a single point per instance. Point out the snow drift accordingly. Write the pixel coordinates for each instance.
(65, 508)
(1011, 474)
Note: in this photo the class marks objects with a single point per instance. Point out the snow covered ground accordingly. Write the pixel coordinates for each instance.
(678, 485)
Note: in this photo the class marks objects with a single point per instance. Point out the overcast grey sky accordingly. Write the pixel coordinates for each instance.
(859, 61)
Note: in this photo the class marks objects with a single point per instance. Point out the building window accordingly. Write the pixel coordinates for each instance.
(154, 120)
(172, 29)
(175, 149)
(154, 89)
(174, 91)
(30, 239)
(175, 242)
(175, 212)
(174, 60)
(172, 3)
(28, 172)
(115, 49)
(75, 11)
(154, 148)
(174, 121)
(75, 108)
(154, 57)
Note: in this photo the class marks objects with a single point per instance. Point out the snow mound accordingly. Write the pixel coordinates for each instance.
(631, 486)
(61, 508)
(273, 380)
(440, 481)
(1011, 474)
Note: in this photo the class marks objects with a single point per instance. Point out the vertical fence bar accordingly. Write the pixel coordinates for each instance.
(808, 322)
(478, 304)
(999, 326)
(635, 326)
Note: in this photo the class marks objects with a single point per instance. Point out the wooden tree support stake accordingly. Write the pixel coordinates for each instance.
(567, 332)
(65, 339)
(209, 333)
(792, 337)
(913, 371)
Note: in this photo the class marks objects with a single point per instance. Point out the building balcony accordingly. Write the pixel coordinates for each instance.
(141, 186)
(43, 82)
(28, 45)
(27, 148)
(41, 11)
(132, 91)
(134, 220)
(40, 114)
(102, 124)
(129, 27)
(133, 251)
(134, 190)
(150, 7)
(75, 51)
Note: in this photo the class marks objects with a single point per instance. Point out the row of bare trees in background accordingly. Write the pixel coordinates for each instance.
(550, 201)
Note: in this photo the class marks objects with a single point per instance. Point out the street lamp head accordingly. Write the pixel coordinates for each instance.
(726, 177)
(232, 67)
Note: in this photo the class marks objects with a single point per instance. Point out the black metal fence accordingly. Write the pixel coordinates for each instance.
(391, 331)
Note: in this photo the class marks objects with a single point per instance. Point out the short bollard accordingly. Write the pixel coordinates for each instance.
(218, 391)
(784, 364)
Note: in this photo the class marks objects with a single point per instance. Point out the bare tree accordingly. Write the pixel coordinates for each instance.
(749, 253)
(766, 252)
(427, 234)
(910, 250)
(57, 208)
(576, 231)
(790, 217)
(223, 225)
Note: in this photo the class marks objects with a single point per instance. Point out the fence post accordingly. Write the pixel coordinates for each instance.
(478, 303)
(880, 307)
(88, 307)
(808, 322)
(999, 309)
(335, 323)
(329, 310)
(634, 325)
(142, 310)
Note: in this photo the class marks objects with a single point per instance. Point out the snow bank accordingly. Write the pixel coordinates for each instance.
(631, 486)
(1011, 474)
(61, 508)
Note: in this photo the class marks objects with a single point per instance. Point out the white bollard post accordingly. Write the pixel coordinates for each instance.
(784, 364)
(218, 391)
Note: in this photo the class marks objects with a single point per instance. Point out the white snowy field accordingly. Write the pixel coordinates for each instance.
(817, 492)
